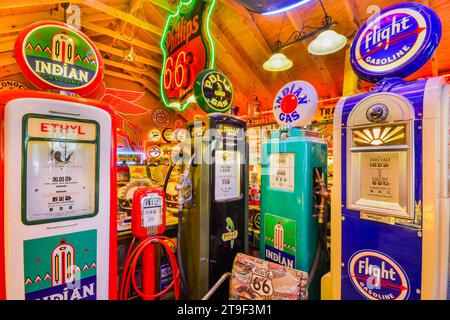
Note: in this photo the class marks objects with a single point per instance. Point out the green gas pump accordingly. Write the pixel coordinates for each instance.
(293, 188)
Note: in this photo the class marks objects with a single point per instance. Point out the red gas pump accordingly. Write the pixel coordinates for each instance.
(148, 223)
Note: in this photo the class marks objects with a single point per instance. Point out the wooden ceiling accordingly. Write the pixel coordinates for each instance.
(243, 41)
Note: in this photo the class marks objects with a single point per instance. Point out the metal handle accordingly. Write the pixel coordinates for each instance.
(217, 285)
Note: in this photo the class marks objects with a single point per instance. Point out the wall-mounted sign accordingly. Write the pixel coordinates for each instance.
(160, 118)
(154, 135)
(397, 42)
(12, 84)
(168, 135)
(188, 49)
(213, 91)
(154, 152)
(53, 55)
(295, 104)
(181, 134)
(377, 276)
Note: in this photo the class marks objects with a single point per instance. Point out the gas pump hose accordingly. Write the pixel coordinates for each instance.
(129, 270)
(180, 219)
(321, 228)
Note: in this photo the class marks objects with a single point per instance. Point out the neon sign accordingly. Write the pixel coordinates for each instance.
(188, 49)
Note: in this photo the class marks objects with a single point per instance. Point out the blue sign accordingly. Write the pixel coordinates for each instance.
(280, 257)
(396, 42)
(377, 276)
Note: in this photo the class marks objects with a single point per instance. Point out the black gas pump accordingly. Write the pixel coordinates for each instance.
(214, 221)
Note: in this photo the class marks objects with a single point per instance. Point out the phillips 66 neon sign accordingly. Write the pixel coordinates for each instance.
(188, 49)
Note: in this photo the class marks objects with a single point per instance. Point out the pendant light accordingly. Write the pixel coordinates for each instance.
(278, 62)
(327, 42)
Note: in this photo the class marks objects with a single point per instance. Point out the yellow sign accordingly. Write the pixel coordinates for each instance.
(377, 218)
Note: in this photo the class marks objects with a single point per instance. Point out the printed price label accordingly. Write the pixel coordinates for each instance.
(282, 171)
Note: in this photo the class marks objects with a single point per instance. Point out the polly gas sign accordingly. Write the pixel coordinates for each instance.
(295, 104)
(397, 42)
(213, 91)
(188, 49)
(53, 55)
(377, 276)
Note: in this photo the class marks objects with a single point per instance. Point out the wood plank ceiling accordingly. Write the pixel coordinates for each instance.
(243, 41)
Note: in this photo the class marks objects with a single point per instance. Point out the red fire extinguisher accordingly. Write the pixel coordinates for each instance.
(148, 223)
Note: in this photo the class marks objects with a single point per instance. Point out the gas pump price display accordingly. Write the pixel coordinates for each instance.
(152, 211)
(228, 176)
(60, 179)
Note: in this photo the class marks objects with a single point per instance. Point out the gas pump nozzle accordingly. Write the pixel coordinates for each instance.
(184, 185)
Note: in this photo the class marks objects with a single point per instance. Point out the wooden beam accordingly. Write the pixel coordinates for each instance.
(118, 36)
(127, 67)
(147, 84)
(164, 4)
(349, 6)
(7, 58)
(119, 14)
(223, 44)
(124, 52)
(9, 70)
(27, 3)
(296, 21)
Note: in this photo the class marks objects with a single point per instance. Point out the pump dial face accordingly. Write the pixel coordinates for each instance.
(61, 152)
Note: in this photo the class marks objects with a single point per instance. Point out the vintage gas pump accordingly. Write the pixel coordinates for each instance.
(215, 221)
(147, 225)
(57, 236)
(390, 222)
(294, 173)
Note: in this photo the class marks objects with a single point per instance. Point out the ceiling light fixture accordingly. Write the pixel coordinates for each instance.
(327, 42)
(278, 62)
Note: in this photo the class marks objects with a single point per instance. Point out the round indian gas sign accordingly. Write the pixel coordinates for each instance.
(295, 104)
(53, 55)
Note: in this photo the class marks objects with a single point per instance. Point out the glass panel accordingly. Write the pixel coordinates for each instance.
(379, 136)
(60, 180)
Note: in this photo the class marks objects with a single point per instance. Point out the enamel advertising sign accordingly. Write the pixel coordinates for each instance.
(295, 104)
(213, 91)
(377, 276)
(61, 267)
(53, 55)
(188, 49)
(396, 43)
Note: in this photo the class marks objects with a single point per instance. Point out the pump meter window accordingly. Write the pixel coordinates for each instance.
(227, 175)
(379, 170)
(60, 169)
(151, 211)
(282, 171)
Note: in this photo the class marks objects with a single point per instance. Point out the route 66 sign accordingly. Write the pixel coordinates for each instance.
(261, 282)
(188, 49)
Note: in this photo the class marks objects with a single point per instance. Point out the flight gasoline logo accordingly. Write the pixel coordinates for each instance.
(398, 35)
(377, 276)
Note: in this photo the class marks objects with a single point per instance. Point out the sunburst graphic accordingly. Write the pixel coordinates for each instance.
(377, 136)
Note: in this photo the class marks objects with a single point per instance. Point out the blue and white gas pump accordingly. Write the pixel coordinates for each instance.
(390, 210)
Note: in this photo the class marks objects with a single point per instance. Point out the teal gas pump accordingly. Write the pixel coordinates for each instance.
(293, 188)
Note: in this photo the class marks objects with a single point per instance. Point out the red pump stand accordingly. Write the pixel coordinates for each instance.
(148, 222)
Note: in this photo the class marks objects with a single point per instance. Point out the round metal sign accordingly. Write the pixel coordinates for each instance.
(397, 42)
(53, 55)
(295, 104)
